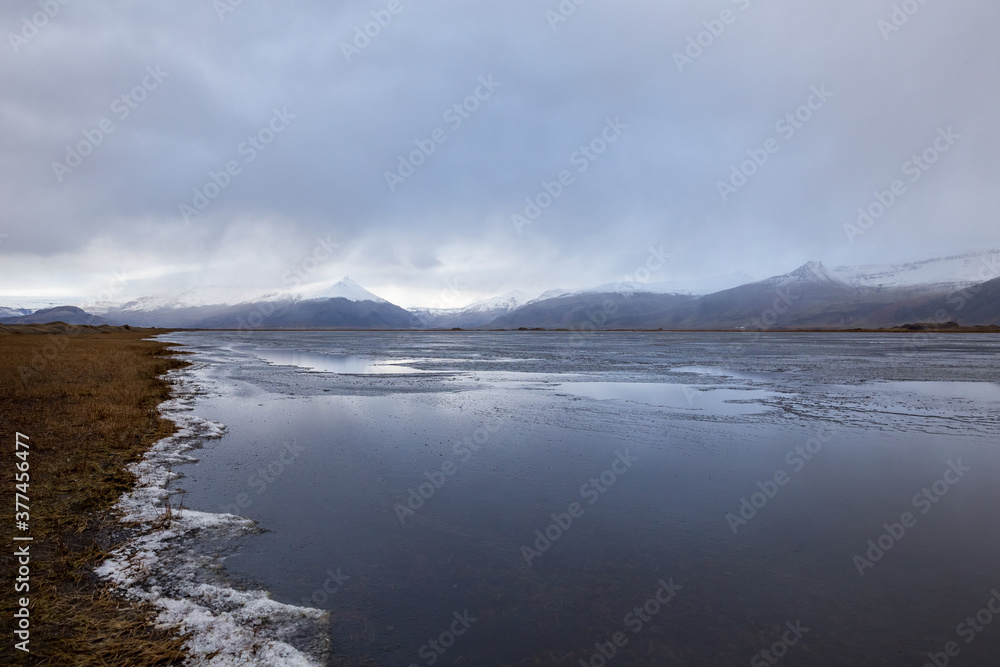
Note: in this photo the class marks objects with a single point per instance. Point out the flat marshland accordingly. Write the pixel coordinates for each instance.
(88, 402)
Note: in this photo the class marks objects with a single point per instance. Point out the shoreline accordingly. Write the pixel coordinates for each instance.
(915, 328)
(904, 329)
(87, 402)
(165, 563)
(106, 410)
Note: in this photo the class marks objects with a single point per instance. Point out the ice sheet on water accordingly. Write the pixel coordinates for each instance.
(167, 562)
(714, 400)
(341, 364)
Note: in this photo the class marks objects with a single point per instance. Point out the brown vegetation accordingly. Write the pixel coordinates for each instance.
(87, 397)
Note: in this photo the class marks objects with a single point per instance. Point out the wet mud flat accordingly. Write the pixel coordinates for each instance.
(641, 499)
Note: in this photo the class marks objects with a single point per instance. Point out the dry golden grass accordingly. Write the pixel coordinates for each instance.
(89, 407)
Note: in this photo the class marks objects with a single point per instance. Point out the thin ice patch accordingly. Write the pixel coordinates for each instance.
(174, 562)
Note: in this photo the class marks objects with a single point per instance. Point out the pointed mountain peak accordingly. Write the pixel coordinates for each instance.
(813, 273)
(810, 270)
(345, 288)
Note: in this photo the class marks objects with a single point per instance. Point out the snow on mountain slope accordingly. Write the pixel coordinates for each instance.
(508, 301)
(344, 289)
(687, 287)
(492, 307)
(952, 271)
(14, 312)
(936, 274)
(811, 273)
(25, 305)
(552, 294)
(192, 298)
(218, 296)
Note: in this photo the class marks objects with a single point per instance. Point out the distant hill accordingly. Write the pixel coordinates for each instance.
(960, 288)
(341, 305)
(63, 328)
(67, 314)
(473, 316)
(812, 296)
(7, 313)
(973, 305)
(335, 313)
(594, 311)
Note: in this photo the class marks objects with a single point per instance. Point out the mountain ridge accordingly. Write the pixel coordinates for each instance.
(812, 295)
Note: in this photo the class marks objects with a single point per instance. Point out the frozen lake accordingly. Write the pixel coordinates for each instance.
(635, 499)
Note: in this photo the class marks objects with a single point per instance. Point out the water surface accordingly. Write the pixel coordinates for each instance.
(548, 489)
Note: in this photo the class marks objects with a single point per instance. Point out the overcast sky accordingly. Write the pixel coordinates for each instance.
(113, 115)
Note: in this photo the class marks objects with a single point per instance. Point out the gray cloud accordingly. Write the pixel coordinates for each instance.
(324, 174)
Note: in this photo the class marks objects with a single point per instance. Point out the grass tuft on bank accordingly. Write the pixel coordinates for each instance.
(87, 398)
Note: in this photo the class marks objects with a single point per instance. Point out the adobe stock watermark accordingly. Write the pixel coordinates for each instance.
(786, 127)
(633, 622)
(436, 479)
(782, 305)
(249, 149)
(581, 158)
(923, 501)
(956, 301)
(455, 116)
(901, 14)
(308, 265)
(223, 7)
(366, 34)
(797, 459)
(768, 318)
(322, 252)
(262, 478)
(714, 29)
(656, 260)
(779, 649)
(449, 296)
(56, 343)
(432, 651)
(914, 169)
(122, 107)
(968, 630)
(31, 25)
(562, 13)
(332, 585)
(592, 491)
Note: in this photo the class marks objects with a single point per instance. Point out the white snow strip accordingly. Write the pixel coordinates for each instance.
(169, 563)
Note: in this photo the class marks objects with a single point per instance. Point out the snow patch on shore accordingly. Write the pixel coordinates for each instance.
(174, 561)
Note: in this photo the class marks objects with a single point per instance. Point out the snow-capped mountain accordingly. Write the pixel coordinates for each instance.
(955, 271)
(474, 315)
(810, 273)
(14, 312)
(552, 294)
(198, 297)
(689, 287)
(508, 301)
(220, 296)
(25, 305)
(343, 289)
(335, 305)
(810, 296)
(65, 314)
